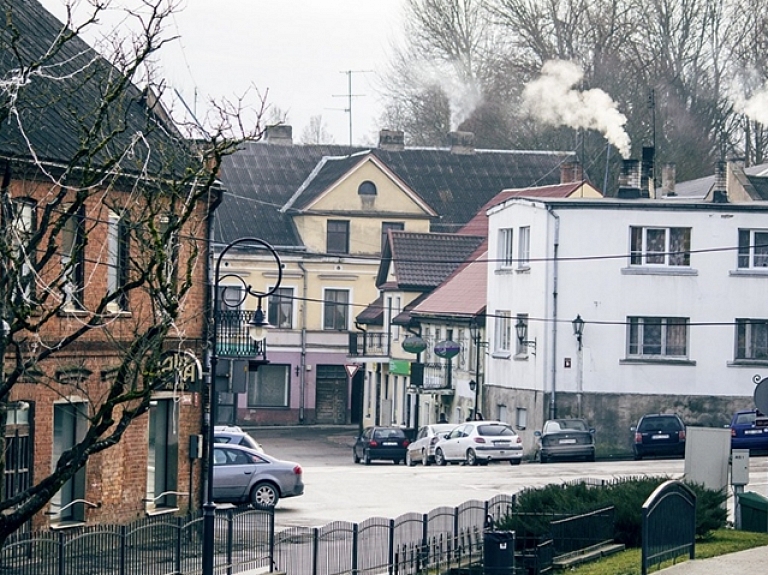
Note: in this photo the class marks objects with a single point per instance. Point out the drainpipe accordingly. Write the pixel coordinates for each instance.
(303, 361)
(555, 250)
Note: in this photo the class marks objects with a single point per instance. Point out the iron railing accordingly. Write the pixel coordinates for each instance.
(232, 336)
(369, 344)
(669, 524)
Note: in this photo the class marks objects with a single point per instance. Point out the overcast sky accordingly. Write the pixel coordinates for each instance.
(299, 50)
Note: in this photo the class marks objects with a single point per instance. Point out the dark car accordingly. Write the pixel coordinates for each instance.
(749, 430)
(243, 475)
(380, 443)
(565, 439)
(659, 434)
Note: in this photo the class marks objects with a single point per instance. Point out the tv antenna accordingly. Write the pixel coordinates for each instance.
(349, 95)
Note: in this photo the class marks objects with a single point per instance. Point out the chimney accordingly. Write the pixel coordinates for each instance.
(392, 140)
(647, 176)
(280, 135)
(720, 189)
(571, 172)
(668, 179)
(462, 143)
(629, 180)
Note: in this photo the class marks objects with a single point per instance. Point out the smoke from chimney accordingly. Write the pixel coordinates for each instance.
(464, 94)
(755, 107)
(552, 99)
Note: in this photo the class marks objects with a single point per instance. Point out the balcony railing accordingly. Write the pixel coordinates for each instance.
(232, 337)
(437, 377)
(369, 344)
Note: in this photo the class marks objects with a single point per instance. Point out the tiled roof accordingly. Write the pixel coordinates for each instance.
(461, 295)
(760, 184)
(262, 178)
(421, 261)
(58, 113)
(373, 314)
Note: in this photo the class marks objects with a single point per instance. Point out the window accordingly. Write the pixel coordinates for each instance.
(280, 308)
(336, 309)
(268, 386)
(169, 227)
(521, 348)
(505, 248)
(73, 260)
(385, 227)
(524, 247)
(660, 246)
(503, 331)
(68, 428)
(655, 337)
(337, 239)
(118, 242)
(162, 455)
(753, 249)
(391, 312)
(752, 339)
(367, 188)
(23, 227)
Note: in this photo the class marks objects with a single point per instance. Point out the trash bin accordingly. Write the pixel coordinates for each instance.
(499, 552)
(754, 512)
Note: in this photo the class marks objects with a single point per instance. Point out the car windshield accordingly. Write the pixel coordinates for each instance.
(745, 418)
(569, 424)
(494, 429)
(388, 434)
(659, 424)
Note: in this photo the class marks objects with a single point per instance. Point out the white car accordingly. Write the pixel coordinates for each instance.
(480, 442)
(423, 448)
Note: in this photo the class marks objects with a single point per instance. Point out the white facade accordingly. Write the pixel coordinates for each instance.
(660, 327)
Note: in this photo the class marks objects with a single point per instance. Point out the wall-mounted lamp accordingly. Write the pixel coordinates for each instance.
(472, 385)
(578, 328)
(522, 331)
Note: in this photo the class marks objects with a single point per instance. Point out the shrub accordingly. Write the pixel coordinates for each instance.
(537, 507)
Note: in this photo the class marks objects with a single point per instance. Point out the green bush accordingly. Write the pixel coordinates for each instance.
(537, 507)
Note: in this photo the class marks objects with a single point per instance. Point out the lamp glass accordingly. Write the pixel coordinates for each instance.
(578, 326)
(257, 327)
(520, 327)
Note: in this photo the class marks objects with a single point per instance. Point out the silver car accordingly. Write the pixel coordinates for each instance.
(243, 475)
(480, 442)
(423, 448)
(234, 435)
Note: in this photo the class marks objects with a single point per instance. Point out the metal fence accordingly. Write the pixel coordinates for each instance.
(159, 545)
(669, 524)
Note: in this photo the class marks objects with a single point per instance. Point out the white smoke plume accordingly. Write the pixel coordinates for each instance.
(756, 106)
(463, 95)
(552, 99)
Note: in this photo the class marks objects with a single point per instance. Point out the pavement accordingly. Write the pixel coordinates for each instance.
(751, 561)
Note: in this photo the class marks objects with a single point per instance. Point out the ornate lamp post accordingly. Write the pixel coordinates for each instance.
(474, 385)
(578, 331)
(257, 326)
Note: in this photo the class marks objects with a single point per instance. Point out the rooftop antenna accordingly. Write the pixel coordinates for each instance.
(349, 95)
(652, 107)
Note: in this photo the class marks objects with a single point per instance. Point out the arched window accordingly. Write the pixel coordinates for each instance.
(367, 188)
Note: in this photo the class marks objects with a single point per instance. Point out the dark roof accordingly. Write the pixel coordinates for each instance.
(58, 104)
(423, 260)
(760, 184)
(262, 178)
(373, 314)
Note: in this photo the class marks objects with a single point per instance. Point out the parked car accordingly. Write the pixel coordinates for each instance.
(480, 442)
(243, 475)
(423, 447)
(565, 439)
(380, 443)
(659, 434)
(234, 435)
(749, 430)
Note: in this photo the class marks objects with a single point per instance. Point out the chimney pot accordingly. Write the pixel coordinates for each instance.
(571, 172)
(392, 140)
(629, 180)
(280, 134)
(462, 142)
(668, 179)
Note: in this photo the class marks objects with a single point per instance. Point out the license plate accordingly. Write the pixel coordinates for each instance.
(390, 443)
(753, 432)
(661, 436)
(502, 444)
(562, 441)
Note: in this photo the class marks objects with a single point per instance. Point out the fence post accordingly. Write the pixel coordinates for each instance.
(179, 531)
(61, 553)
(455, 542)
(391, 551)
(422, 558)
(230, 538)
(315, 550)
(355, 533)
(272, 540)
(123, 536)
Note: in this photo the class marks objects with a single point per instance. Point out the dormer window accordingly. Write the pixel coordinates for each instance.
(367, 188)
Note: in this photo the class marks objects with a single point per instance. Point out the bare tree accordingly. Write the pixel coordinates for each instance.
(316, 132)
(105, 201)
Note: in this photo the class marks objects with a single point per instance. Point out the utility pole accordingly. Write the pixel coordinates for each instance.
(349, 95)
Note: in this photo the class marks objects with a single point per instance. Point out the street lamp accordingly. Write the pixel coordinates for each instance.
(578, 331)
(257, 326)
(522, 331)
(474, 332)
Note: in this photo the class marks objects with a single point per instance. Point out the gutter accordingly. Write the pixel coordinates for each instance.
(555, 251)
(303, 361)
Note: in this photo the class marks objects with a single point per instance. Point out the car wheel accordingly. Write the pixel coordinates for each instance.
(355, 458)
(471, 457)
(409, 459)
(367, 457)
(543, 458)
(264, 496)
(638, 457)
(396, 461)
(425, 458)
(515, 461)
(591, 458)
(439, 457)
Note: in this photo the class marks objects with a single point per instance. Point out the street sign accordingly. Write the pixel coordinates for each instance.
(351, 368)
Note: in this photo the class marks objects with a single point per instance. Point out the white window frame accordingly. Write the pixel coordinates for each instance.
(748, 331)
(505, 248)
(667, 256)
(637, 347)
(524, 247)
(502, 340)
(753, 251)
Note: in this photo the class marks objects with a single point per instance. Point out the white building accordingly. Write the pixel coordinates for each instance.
(672, 293)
